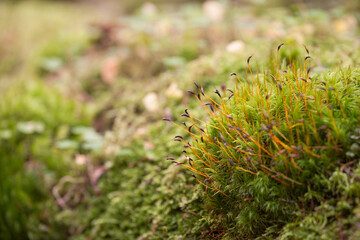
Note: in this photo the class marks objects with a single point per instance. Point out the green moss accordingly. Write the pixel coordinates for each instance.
(336, 217)
(270, 144)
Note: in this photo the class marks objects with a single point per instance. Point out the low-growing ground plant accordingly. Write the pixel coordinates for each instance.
(270, 143)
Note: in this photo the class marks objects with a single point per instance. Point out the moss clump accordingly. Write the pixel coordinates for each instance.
(271, 143)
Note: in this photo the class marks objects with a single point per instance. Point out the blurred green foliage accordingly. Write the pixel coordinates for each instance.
(31, 125)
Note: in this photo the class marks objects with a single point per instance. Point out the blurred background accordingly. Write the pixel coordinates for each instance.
(84, 84)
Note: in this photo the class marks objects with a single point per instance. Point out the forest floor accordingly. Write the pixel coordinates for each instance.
(84, 87)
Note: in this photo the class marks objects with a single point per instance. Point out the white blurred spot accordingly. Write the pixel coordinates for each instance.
(151, 102)
(174, 91)
(235, 46)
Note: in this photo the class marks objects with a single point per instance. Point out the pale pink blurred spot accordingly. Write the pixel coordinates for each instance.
(148, 145)
(214, 10)
(110, 69)
(140, 132)
(149, 9)
(96, 174)
(80, 159)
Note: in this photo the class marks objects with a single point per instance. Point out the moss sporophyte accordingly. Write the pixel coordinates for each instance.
(286, 122)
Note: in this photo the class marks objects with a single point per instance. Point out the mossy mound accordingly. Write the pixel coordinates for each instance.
(270, 146)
